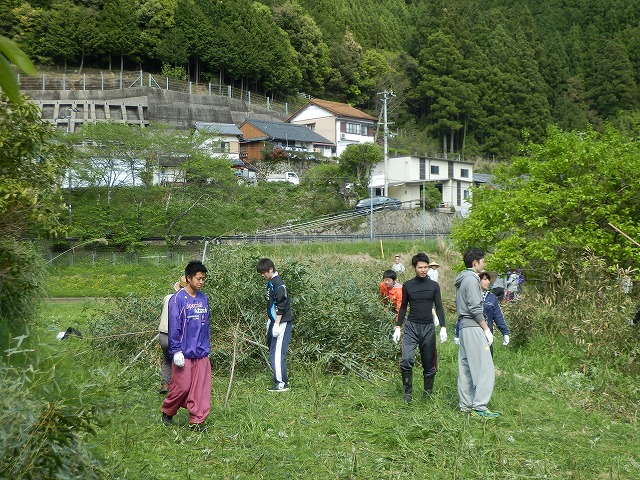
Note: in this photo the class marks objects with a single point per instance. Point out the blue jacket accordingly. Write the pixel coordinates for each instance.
(189, 328)
(278, 302)
(493, 313)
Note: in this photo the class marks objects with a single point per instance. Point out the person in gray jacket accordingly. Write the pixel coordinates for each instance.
(476, 374)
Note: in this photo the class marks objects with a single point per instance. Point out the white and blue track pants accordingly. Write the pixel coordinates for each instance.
(278, 353)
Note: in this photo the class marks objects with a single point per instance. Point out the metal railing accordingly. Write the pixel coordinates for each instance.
(124, 80)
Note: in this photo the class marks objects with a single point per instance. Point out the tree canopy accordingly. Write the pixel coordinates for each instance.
(557, 200)
(475, 75)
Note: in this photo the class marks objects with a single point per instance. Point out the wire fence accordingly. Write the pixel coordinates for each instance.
(123, 80)
(199, 245)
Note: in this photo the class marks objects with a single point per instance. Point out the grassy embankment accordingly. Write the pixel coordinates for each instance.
(555, 423)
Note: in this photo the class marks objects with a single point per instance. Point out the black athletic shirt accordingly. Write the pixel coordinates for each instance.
(420, 294)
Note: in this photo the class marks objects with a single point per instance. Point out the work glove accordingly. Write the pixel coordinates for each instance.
(178, 359)
(277, 329)
(489, 335)
(396, 335)
(505, 339)
(456, 340)
(443, 335)
(436, 320)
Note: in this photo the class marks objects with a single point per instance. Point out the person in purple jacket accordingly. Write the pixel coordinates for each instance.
(189, 344)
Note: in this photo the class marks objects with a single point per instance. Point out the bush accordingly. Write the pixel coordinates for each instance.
(339, 321)
(22, 272)
(124, 326)
(42, 439)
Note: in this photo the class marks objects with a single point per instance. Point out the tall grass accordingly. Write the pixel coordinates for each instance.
(566, 386)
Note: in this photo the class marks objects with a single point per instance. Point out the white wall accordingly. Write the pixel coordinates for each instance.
(403, 178)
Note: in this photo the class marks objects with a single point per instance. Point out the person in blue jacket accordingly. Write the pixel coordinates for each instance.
(279, 323)
(491, 309)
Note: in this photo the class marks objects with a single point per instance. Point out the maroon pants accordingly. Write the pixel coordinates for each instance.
(190, 388)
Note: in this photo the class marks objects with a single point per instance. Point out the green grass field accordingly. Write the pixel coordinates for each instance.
(341, 426)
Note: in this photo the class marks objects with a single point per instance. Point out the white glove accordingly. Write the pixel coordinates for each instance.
(178, 359)
(443, 335)
(456, 340)
(436, 320)
(277, 329)
(505, 340)
(489, 335)
(396, 335)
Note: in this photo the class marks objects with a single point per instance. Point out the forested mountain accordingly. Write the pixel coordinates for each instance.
(473, 74)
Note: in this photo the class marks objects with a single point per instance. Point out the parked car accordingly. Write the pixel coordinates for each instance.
(378, 203)
(291, 177)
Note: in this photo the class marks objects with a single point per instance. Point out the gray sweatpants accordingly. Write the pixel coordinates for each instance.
(476, 374)
(167, 360)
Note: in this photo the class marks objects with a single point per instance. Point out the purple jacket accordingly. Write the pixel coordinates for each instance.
(189, 330)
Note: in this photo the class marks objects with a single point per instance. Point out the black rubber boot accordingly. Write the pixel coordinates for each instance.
(428, 385)
(407, 384)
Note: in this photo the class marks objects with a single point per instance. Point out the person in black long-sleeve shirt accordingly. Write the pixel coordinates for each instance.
(421, 295)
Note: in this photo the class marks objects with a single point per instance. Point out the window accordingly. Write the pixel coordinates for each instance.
(464, 172)
(435, 170)
(354, 128)
(311, 126)
(423, 169)
(466, 195)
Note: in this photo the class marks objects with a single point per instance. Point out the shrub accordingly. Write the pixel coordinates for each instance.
(339, 321)
(22, 272)
(123, 326)
(42, 439)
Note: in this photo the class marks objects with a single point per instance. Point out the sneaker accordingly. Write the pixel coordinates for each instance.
(167, 419)
(164, 389)
(485, 413)
(278, 388)
(197, 427)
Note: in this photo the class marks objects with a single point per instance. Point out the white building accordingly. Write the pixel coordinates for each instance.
(341, 123)
(224, 141)
(407, 175)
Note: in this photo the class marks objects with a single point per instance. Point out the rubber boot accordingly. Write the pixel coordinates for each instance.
(407, 384)
(428, 385)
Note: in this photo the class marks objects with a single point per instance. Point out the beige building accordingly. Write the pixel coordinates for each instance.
(340, 123)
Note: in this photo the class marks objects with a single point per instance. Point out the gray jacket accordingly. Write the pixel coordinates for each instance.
(469, 299)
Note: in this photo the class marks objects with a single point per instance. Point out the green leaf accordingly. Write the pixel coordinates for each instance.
(8, 81)
(16, 56)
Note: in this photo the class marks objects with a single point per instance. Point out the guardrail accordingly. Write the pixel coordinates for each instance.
(124, 80)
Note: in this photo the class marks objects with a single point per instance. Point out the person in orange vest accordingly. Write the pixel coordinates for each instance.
(391, 290)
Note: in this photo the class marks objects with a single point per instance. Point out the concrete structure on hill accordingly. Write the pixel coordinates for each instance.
(70, 109)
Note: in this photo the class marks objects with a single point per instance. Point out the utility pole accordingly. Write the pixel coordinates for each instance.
(386, 95)
(70, 111)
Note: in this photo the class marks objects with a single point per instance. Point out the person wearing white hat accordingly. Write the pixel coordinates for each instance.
(433, 272)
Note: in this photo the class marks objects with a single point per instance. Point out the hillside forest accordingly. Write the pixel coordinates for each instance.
(475, 76)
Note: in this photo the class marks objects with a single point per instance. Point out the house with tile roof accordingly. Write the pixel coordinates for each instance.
(296, 141)
(224, 140)
(341, 123)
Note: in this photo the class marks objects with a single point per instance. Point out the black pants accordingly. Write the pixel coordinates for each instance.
(423, 336)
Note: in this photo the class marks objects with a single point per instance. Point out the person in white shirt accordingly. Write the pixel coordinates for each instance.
(433, 272)
(397, 266)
